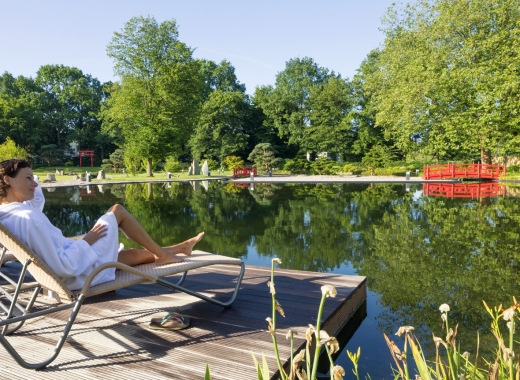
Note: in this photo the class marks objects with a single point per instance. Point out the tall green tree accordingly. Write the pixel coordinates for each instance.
(220, 77)
(69, 103)
(286, 103)
(448, 82)
(363, 114)
(330, 128)
(157, 103)
(222, 127)
(20, 116)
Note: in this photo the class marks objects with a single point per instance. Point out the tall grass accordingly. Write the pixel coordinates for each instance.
(301, 366)
(449, 362)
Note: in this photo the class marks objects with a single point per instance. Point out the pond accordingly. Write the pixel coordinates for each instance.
(417, 251)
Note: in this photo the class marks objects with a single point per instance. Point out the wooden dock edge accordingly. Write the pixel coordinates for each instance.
(342, 324)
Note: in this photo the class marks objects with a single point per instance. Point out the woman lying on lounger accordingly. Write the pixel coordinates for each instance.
(21, 205)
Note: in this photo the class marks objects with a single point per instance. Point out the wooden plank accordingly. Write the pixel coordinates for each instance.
(111, 337)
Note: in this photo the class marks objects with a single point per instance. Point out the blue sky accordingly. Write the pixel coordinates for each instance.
(256, 36)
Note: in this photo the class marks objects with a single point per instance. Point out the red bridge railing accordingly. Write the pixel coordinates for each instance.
(244, 172)
(472, 190)
(446, 171)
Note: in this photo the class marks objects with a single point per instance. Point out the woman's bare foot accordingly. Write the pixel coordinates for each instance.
(186, 247)
(190, 243)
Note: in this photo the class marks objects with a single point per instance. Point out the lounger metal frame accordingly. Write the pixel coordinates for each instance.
(9, 322)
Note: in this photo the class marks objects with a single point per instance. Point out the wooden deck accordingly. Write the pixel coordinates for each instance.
(111, 338)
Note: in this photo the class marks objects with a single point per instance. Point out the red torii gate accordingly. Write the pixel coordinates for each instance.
(86, 153)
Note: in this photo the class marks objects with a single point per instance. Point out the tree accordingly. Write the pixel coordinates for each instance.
(221, 130)
(330, 127)
(157, 102)
(448, 82)
(20, 116)
(220, 77)
(69, 103)
(286, 104)
(363, 114)
(264, 155)
(378, 156)
(115, 162)
(9, 150)
(51, 154)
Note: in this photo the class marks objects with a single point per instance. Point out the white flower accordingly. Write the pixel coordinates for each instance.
(508, 354)
(329, 291)
(338, 372)
(270, 325)
(438, 341)
(308, 334)
(276, 260)
(330, 341)
(299, 357)
(444, 308)
(404, 329)
(509, 314)
(272, 290)
(290, 334)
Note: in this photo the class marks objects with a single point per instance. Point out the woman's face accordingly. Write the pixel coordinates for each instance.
(21, 187)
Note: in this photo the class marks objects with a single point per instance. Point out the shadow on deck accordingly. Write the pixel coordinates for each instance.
(111, 337)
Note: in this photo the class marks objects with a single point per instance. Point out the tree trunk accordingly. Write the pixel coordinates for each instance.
(150, 191)
(149, 167)
(485, 156)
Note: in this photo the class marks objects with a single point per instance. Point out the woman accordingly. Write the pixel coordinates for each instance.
(21, 205)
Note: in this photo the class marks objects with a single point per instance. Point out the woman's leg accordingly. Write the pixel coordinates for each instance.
(152, 251)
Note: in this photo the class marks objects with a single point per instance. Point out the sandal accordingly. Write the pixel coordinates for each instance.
(171, 321)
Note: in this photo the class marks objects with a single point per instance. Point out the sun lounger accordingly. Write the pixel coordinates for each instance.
(15, 314)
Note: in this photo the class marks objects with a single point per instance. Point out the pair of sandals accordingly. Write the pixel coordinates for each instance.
(171, 322)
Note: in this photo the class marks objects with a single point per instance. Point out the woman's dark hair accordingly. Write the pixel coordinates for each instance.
(10, 168)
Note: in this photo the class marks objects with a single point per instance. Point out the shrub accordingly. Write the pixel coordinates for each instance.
(323, 166)
(172, 165)
(115, 162)
(297, 166)
(69, 163)
(352, 168)
(232, 162)
(9, 150)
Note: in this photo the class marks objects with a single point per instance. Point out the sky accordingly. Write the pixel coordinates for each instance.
(257, 36)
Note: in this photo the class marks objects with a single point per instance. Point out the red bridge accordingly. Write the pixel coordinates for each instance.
(244, 172)
(457, 190)
(477, 171)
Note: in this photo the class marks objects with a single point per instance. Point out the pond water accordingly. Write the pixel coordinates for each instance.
(417, 251)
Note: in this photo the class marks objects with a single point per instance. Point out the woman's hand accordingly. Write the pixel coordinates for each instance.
(97, 232)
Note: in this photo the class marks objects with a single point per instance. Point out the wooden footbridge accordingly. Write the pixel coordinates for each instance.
(469, 171)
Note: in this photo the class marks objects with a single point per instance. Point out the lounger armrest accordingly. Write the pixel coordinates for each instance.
(117, 265)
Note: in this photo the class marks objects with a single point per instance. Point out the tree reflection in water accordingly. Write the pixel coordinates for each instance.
(417, 252)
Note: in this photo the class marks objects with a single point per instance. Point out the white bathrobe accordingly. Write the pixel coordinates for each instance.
(71, 260)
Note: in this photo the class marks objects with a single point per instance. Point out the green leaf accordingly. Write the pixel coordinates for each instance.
(207, 376)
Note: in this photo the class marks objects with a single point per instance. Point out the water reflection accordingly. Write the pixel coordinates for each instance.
(416, 251)
(462, 190)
